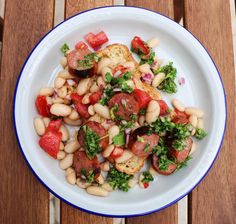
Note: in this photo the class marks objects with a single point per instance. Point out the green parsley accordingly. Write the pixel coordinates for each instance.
(88, 60)
(91, 142)
(107, 95)
(149, 61)
(118, 179)
(147, 177)
(146, 148)
(112, 112)
(119, 139)
(182, 131)
(134, 117)
(161, 125)
(126, 125)
(120, 82)
(200, 133)
(179, 144)
(168, 85)
(90, 177)
(108, 77)
(184, 163)
(140, 139)
(142, 111)
(64, 48)
(164, 162)
(161, 148)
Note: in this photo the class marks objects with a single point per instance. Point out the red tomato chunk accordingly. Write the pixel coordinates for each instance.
(42, 106)
(96, 41)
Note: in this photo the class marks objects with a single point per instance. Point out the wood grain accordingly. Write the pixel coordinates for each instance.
(69, 214)
(168, 215)
(214, 200)
(23, 199)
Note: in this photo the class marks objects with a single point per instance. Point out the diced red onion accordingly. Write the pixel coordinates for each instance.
(116, 89)
(127, 139)
(148, 77)
(127, 131)
(71, 82)
(117, 73)
(181, 81)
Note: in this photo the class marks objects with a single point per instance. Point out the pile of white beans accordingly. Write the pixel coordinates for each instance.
(59, 99)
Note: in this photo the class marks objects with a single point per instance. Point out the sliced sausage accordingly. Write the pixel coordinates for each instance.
(139, 140)
(82, 164)
(98, 129)
(180, 156)
(170, 169)
(127, 105)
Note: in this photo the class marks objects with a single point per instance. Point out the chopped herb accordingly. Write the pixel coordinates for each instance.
(126, 125)
(118, 179)
(149, 61)
(107, 94)
(83, 172)
(119, 139)
(127, 76)
(200, 133)
(184, 163)
(90, 176)
(126, 88)
(179, 144)
(161, 148)
(140, 139)
(120, 82)
(91, 141)
(108, 77)
(88, 60)
(147, 177)
(161, 125)
(164, 162)
(112, 110)
(168, 84)
(182, 131)
(146, 147)
(64, 48)
(134, 117)
(142, 111)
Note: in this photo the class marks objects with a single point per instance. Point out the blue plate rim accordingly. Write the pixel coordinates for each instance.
(104, 214)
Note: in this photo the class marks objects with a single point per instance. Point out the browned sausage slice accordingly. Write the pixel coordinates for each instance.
(82, 164)
(170, 169)
(127, 105)
(180, 156)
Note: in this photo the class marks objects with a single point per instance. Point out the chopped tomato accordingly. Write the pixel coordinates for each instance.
(139, 46)
(180, 117)
(81, 108)
(163, 107)
(117, 152)
(96, 41)
(42, 106)
(95, 97)
(146, 185)
(81, 45)
(120, 68)
(142, 97)
(50, 141)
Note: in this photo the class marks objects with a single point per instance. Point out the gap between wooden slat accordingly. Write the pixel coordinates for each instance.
(233, 21)
(54, 202)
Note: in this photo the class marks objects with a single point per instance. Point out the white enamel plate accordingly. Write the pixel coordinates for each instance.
(203, 88)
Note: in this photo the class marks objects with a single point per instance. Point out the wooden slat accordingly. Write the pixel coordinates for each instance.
(69, 214)
(214, 200)
(23, 198)
(169, 215)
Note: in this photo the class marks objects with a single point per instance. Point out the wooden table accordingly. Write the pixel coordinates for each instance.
(24, 200)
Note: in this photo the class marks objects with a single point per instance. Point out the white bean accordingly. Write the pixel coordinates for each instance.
(94, 88)
(158, 79)
(193, 132)
(62, 92)
(126, 155)
(192, 110)
(104, 62)
(132, 182)
(141, 120)
(57, 100)
(61, 146)
(72, 122)
(112, 132)
(49, 100)
(39, 126)
(86, 99)
(200, 123)
(100, 82)
(193, 120)
(153, 42)
(65, 75)
(105, 166)
(104, 71)
(59, 109)
(65, 133)
(129, 65)
(74, 115)
(145, 68)
(103, 111)
(108, 150)
(91, 110)
(130, 83)
(107, 187)
(178, 105)
(46, 121)
(82, 184)
(71, 146)
(59, 82)
(69, 171)
(66, 162)
(46, 91)
(97, 191)
(83, 86)
(63, 62)
(153, 111)
(193, 149)
(61, 155)
(100, 179)
(97, 118)
(71, 176)
(152, 171)
(141, 177)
